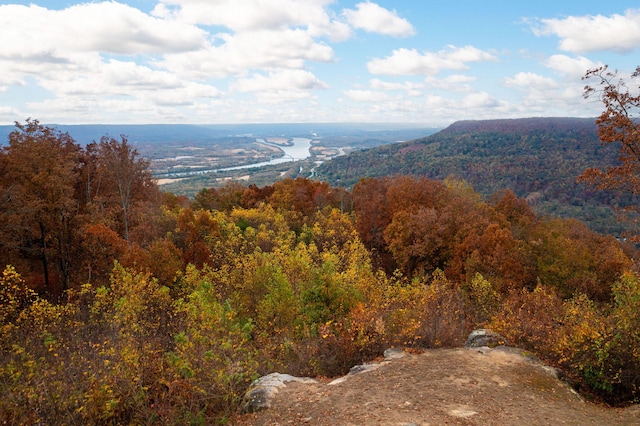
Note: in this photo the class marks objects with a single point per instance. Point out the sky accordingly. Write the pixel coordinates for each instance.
(289, 61)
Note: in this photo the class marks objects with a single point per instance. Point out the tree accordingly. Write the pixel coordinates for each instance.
(301, 195)
(369, 197)
(122, 179)
(38, 212)
(54, 194)
(618, 124)
(573, 259)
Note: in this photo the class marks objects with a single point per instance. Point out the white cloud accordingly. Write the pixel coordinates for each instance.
(459, 79)
(109, 59)
(541, 95)
(112, 77)
(573, 68)
(453, 82)
(382, 91)
(283, 88)
(284, 80)
(411, 62)
(563, 101)
(479, 100)
(8, 111)
(467, 54)
(120, 78)
(177, 45)
(107, 27)
(557, 95)
(439, 110)
(186, 95)
(281, 98)
(529, 80)
(366, 95)
(395, 107)
(275, 60)
(580, 34)
(376, 19)
(235, 54)
(409, 87)
(257, 15)
(8, 79)
(83, 110)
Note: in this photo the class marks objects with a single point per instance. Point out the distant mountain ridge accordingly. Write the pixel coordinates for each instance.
(537, 158)
(520, 124)
(152, 133)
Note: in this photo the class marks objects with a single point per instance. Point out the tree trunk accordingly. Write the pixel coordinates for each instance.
(45, 261)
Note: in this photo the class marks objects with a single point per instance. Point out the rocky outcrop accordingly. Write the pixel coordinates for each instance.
(490, 353)
(447, 386)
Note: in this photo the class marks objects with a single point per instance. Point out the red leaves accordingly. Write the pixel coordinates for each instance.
(617, 124)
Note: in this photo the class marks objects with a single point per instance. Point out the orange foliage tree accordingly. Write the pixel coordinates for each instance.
(123, 182)
(38, 213)
(60, 203)
(618, 124)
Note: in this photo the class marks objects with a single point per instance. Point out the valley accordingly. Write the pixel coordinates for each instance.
(186, 158)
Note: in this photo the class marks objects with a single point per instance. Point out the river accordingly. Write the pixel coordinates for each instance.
(296, 152)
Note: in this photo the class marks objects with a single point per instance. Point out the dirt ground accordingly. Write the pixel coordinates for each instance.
(441, 387)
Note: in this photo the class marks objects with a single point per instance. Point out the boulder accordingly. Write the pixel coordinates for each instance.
(261, 392)
(358, 369)
(484, 337)
(393, 353)
(389, 355)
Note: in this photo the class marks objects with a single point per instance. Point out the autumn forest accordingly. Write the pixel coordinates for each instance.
(120, 303)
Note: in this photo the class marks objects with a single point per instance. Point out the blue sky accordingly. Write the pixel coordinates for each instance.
(255, 61)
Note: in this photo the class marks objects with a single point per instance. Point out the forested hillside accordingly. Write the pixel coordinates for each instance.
(120, 304)
(539, 159)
